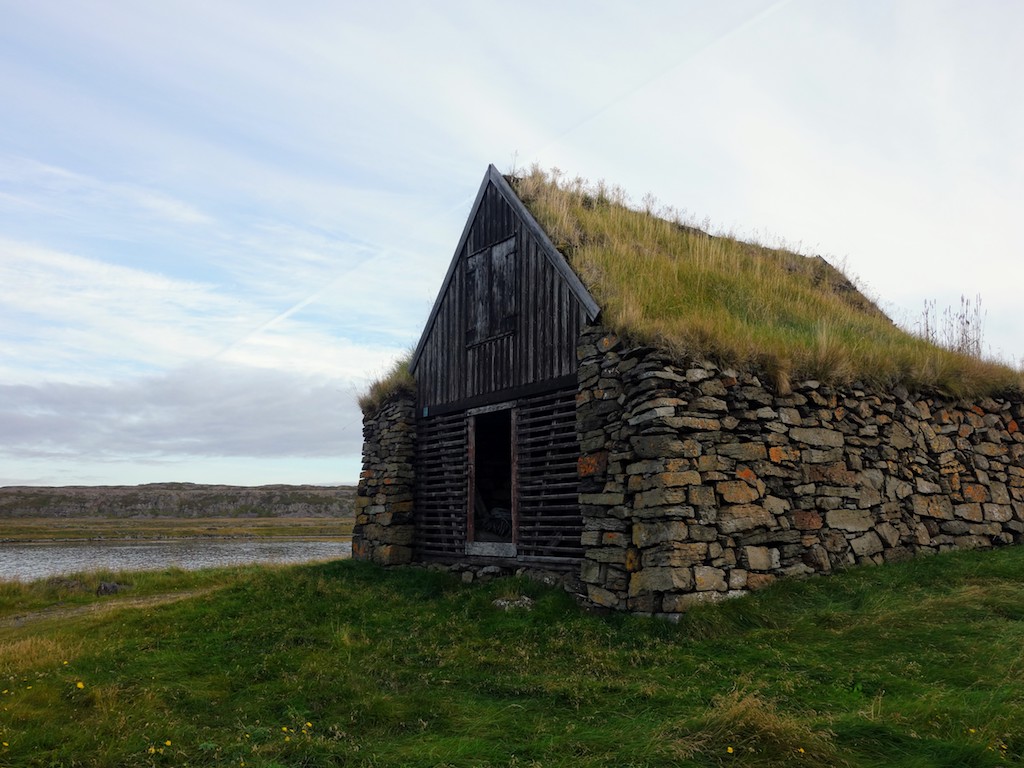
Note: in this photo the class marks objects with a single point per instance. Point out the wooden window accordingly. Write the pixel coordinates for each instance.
(491, 292)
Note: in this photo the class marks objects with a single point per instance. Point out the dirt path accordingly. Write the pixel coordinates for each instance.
(104, 605)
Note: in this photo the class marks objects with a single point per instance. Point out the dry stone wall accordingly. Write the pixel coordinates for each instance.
(698, 483)
(383, 531)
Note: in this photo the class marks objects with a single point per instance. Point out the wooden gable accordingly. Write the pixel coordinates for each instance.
(508, 314)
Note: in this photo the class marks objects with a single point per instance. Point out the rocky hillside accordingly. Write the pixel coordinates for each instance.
(177, 500)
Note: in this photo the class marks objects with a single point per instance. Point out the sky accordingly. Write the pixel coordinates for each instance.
(220, 221)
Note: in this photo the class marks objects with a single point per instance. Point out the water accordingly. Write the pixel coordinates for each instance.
(40, 561)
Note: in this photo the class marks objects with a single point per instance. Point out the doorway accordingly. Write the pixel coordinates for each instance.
(492, 497)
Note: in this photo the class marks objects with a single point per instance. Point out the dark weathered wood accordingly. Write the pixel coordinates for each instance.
(502, 396)
(502, 331)
(550, 523)
(440, 505)
(509, 312)
(514, 416)
(471, 485)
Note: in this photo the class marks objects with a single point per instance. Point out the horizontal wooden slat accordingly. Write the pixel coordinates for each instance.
(439, 511)
(549, 518)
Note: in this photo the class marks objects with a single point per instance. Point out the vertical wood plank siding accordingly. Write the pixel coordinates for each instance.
(542, 345)
(550, 524)
(441, 463)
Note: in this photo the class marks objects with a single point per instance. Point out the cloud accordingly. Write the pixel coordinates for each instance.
(210, 410)
(90, 318)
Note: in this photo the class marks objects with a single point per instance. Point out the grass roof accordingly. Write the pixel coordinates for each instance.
(661, 282)
(397, 379)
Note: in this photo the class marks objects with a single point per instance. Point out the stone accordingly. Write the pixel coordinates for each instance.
(675, 479)
(933, 506)
(850, 519)
(592, 464)
(743, 517)
(707, 403)
(807, 520)
(971, 512)
(663, 446)
(743, 451)
(702, 496)
(866, 545)
(660, 580)
(781, 453)
(817, 437)
(761, 558)
(602, 597)
(694, 423)
(900, 439)
(1000, 493)
(888, 533)
(674, 554)
(998, 513)
(737, 492)
(757, 581)
(646, 534)
(602, 499)
(992, 450)
(709, 579)
(737, 579)
(660, 497)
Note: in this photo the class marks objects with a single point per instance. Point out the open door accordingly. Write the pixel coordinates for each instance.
(492, 508)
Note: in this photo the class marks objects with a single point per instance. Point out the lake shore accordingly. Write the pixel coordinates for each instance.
(48, 530)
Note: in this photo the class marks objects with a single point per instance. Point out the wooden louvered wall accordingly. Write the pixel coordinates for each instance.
(550, 524)
(546, 450)
(439, 515)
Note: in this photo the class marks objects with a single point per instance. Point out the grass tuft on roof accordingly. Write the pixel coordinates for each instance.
(793, 317)
(397, 379)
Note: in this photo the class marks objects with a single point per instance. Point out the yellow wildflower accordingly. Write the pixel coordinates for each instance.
(309, 725)
(152, 750)
(284, 728)
(167, 743)
(287, 738)
(79, 685)
(729, 750)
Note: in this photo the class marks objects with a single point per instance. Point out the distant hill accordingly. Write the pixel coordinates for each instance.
(185, 500)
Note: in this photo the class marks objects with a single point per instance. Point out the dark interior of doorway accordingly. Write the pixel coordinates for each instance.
(492, 507)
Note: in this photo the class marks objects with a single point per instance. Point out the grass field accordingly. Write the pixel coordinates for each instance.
(342, 663)
(38, 529)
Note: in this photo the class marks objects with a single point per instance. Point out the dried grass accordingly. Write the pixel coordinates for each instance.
(661, 280)
(398, 379)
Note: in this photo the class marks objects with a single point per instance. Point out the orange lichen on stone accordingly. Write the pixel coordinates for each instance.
(591, 464)
(780, 453)
(746, 473)
(975, 492)
(806, 520)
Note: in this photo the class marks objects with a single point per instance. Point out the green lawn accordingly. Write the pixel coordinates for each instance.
(343, 663)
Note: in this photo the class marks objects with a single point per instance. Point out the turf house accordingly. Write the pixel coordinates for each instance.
(668, 417)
